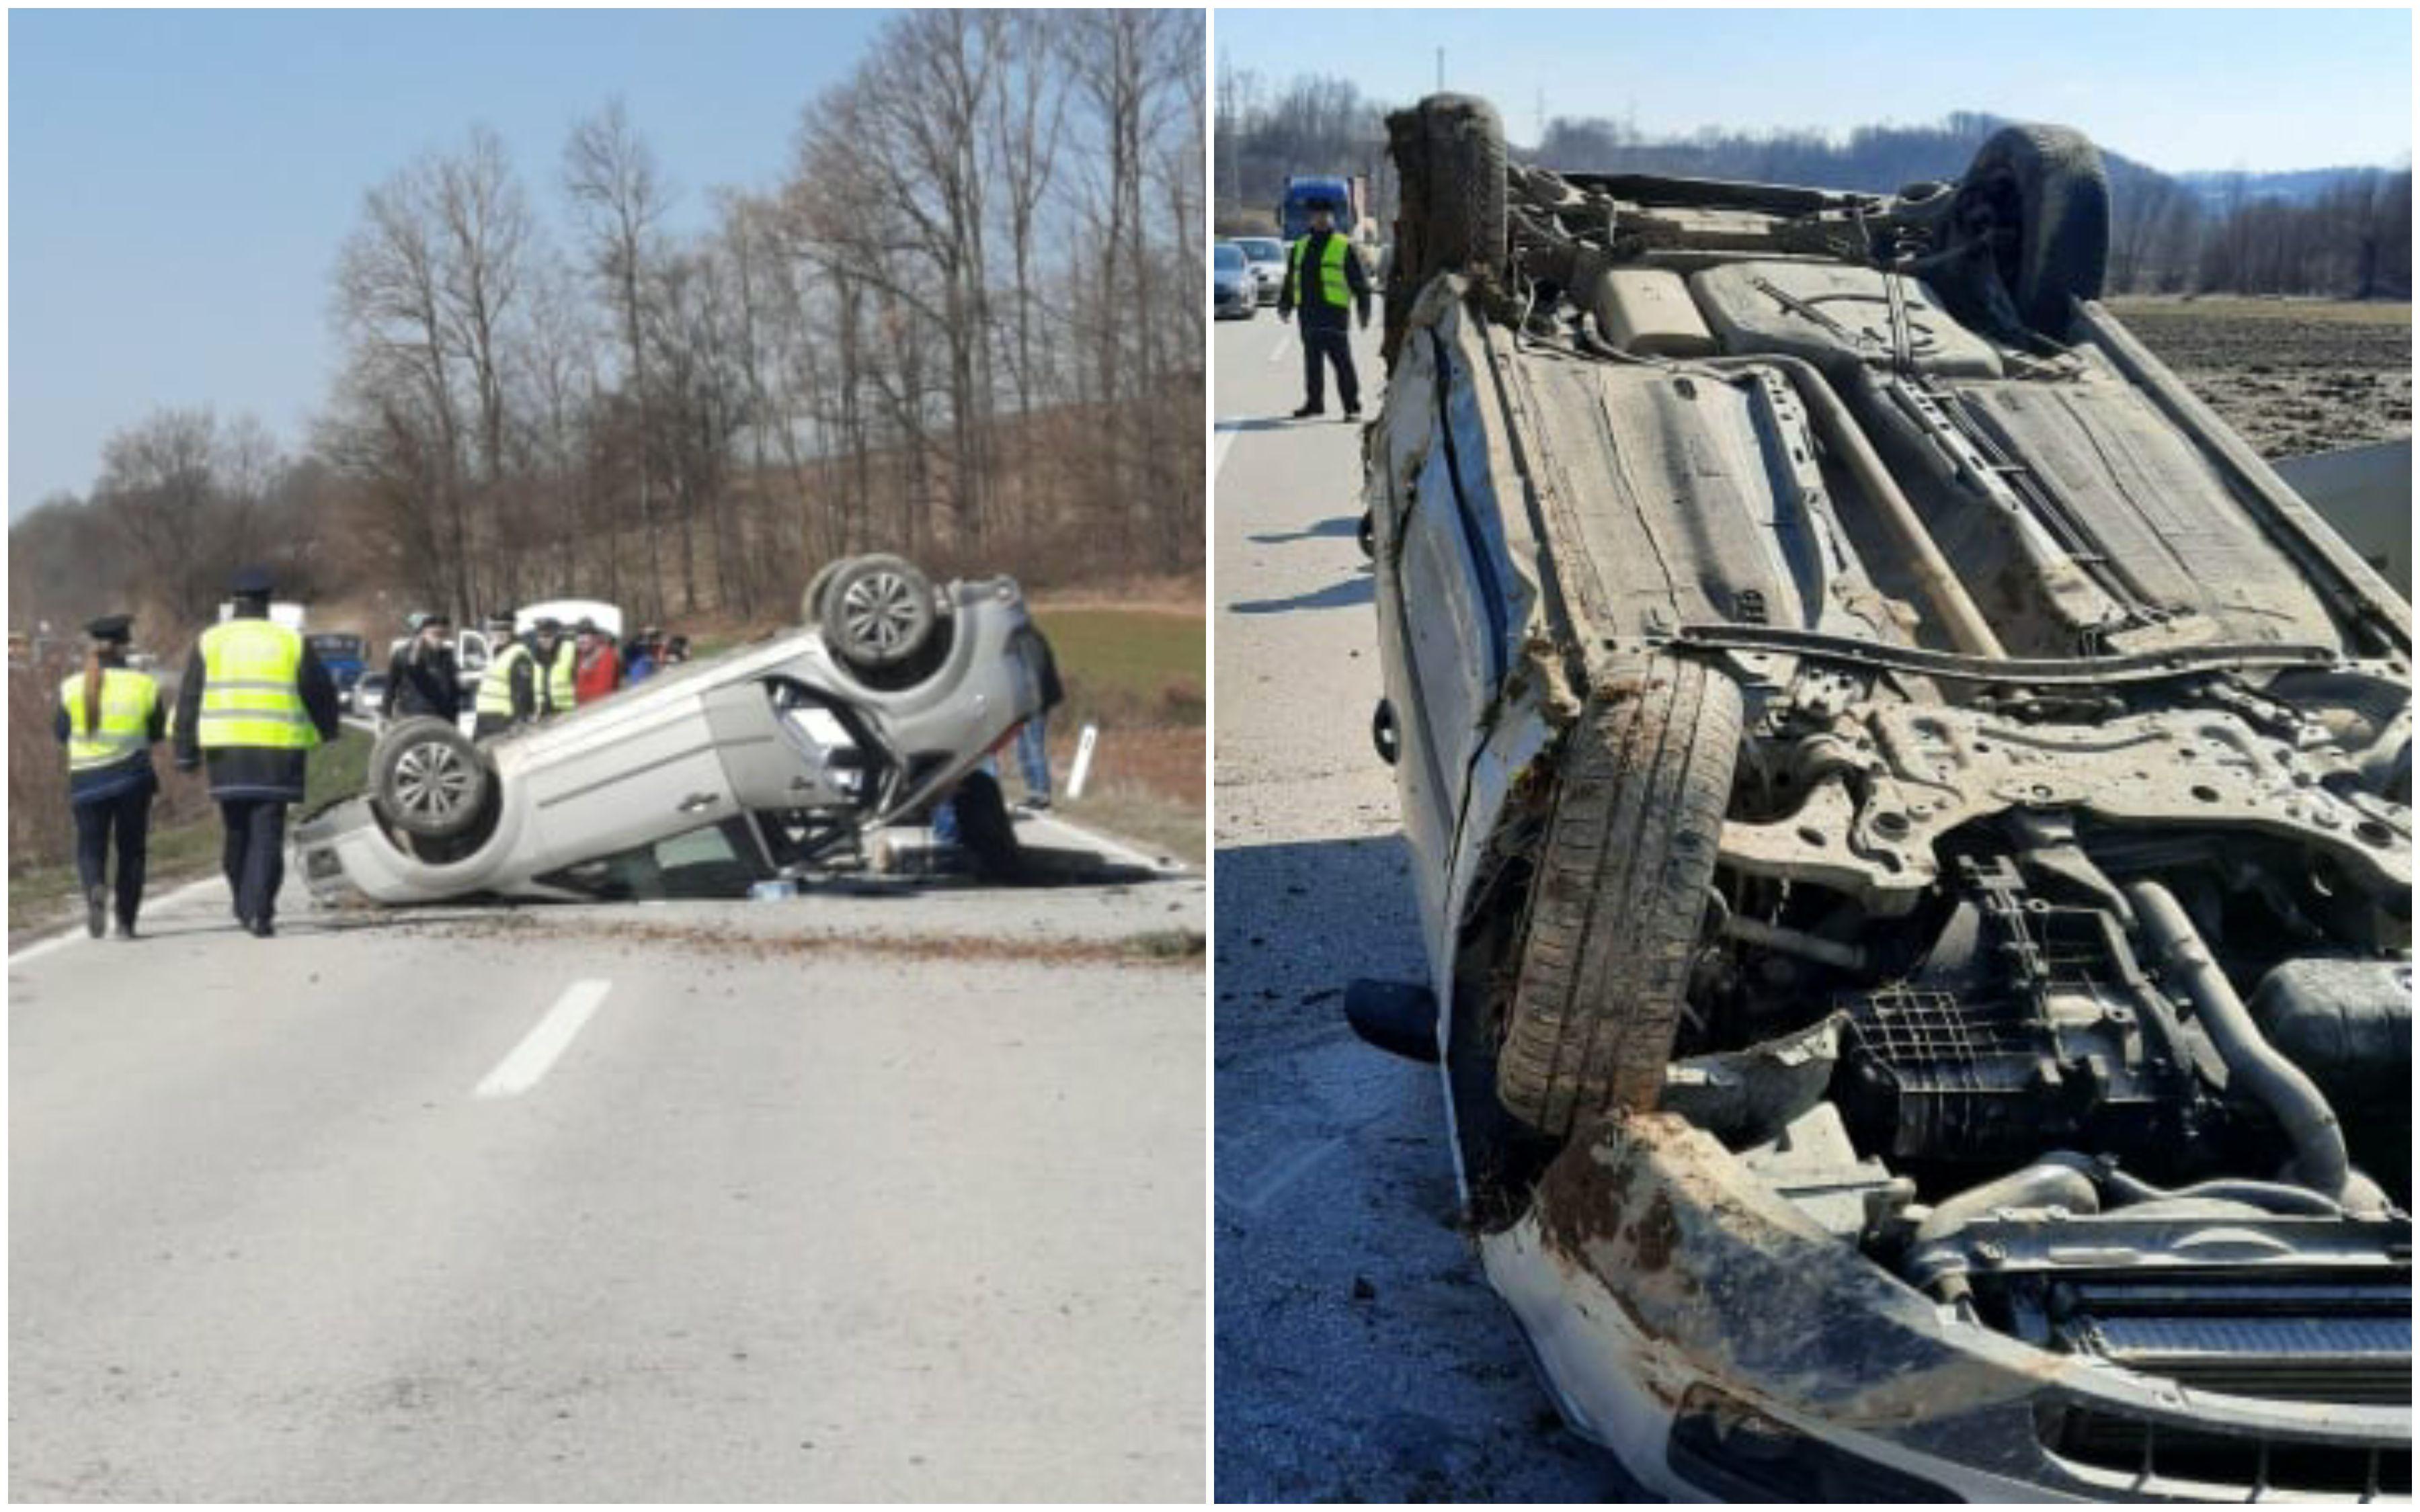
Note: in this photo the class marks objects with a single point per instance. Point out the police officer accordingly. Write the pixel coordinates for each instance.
(109, 717)
(422, 679)
(256, 699)
(1323, 278)
(510, 693)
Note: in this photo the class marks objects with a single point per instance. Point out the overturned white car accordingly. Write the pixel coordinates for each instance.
(1910, 820)
(770, 760)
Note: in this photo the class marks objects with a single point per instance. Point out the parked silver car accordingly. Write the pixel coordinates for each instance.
(1234, 292)
(769, 760)
(1910, 821)
(1267, 256)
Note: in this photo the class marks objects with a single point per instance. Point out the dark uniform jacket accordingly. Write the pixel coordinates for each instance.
(422, 682)
(254, 771)
(1052, 693)
(1316, 312)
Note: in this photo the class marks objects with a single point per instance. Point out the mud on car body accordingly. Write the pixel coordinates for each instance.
(773, 758)
(1911, 826)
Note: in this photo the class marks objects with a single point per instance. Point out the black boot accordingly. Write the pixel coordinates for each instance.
(125, 929)
(1309, 411)
(262, 929)
(96, 912)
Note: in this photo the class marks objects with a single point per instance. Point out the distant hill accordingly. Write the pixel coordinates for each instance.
(1876, 158)
(2217, 188)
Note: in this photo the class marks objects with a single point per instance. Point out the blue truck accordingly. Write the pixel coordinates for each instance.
(1351, 197)
(342, 655)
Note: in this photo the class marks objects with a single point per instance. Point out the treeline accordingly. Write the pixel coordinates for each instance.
(1313, 125)
(2351, 238)
(964, 324)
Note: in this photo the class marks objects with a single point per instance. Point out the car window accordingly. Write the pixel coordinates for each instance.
(1261, 249)
(719, 861)
(1231, 257)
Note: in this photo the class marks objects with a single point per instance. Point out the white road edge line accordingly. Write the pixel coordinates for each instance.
(77, 936)
(1277, 353)
(542, 1046)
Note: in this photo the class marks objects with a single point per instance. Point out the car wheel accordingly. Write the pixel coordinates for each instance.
(2041, 194)
(1367, 533)
(429, 779)
(877, 612)
(1448, 152)
(984, 828)
(810, 603)
(1618, 900)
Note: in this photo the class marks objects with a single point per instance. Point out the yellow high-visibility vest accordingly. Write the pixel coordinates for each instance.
(496, 688)
(251, 690)
(1333, 286)
(561, 688)
(126, 701)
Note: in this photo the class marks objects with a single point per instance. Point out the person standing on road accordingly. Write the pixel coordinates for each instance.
(1325, 280)
(422, 679)
(256, 699)
(1033, 737)
(510, 691)
(643, 656)
(109, 717)
(599, 669)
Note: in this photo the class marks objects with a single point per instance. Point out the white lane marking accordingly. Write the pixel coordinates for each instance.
(542, 1046)
(1219, 451)
(77, 936)
(1278, 352)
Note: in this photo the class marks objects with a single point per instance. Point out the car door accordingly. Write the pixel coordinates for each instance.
(1441, 608)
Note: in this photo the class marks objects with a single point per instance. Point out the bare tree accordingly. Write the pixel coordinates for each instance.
(611, 179)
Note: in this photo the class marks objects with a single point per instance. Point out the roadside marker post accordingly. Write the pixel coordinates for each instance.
(1083, 767)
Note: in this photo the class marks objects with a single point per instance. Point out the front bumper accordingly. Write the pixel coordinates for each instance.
(1722, 1345)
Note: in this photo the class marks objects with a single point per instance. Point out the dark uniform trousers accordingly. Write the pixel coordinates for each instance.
(1335, 344)
(254, 857)
(127, 816)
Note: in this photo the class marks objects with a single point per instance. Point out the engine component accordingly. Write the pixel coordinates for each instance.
(2301, 1111)
(2030, 1027)
(2347, 1024)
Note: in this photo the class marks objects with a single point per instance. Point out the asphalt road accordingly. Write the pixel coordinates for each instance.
(844, 1198)
(1359, 1352)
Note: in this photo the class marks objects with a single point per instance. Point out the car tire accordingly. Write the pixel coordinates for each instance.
(2047, 185)
(986, 832)
(429, 777)
(877, 612)
(810, 603)
(1448, 152)
(1618, 900)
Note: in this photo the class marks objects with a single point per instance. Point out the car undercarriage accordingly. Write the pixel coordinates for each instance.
(1912, 824)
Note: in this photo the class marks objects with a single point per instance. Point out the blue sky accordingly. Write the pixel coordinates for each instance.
(2178, 89)
(180, 181)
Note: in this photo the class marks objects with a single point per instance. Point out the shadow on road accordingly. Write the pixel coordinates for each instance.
(1360, 1355)
(1342, 527)
(1350, 594)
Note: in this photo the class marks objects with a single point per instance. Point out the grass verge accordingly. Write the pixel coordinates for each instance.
(189, 847)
